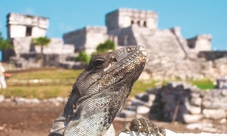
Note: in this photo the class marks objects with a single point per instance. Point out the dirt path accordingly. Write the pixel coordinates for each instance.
(36, 120)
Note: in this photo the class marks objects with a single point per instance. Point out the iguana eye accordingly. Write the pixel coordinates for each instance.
(129, 49)
(98, 62)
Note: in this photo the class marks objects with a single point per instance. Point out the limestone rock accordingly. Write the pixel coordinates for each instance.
(142, 110)
(127, 114)
(188, 118)
(197, 101)
(2, 98)
(214, 113)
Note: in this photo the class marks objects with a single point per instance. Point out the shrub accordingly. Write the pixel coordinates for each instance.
(104, 47)
(84, 57)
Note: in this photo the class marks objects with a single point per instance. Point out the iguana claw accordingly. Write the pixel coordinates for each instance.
(142, 125)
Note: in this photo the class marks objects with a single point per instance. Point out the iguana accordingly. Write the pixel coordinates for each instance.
(100, 93)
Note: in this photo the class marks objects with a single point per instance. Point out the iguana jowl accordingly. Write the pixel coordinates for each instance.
(100, 92)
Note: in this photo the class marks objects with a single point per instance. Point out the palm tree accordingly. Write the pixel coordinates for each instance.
(41, 41)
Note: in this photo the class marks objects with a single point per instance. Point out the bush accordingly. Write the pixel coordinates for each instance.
(104, 47)
(84, 57)
(5, 44)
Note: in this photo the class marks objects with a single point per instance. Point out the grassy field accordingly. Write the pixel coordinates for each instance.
(61, 82)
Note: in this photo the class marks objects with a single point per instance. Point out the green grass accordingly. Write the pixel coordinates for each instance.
(203, 84)
(64, 85)
(142, 85)
(40, 92)
(47, 74)
(60, 87)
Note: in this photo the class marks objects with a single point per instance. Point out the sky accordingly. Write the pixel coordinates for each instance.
(192, 16)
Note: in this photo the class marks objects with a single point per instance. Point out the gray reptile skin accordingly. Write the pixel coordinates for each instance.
(99, 93)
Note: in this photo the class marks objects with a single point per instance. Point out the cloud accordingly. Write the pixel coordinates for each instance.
(65, 28)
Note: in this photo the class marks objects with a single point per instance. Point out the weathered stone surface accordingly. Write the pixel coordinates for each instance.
(142, 110)
(204, 126)
(24, 100)
(215, 99)
(87, 38)
(182, 102)
(144, 76)
(22, 45)
(2, 98)
(189, 118)
(194, 126)
(28, 56)
(224, 120)
(196, 101)
(214, 113)
(20, 25)
(224, 92)
(222, 82)
(127, 114)
(170, 55)
(192, 109)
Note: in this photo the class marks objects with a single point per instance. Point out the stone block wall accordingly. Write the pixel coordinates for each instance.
(139, 27)
(212, 55)
(77, 38)
(86, 39)
(222, 82)
(20, 25)
(28, 56)
(22, 45)
(200, 42)
(32, 60)
(122, 18)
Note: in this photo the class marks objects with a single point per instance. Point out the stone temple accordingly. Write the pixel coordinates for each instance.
(170, 55)
(167, 49)
(19, 25)
(138, 27)
(22, 28)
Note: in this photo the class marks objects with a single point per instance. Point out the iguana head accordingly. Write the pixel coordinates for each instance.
(103, 87)
(111, 68)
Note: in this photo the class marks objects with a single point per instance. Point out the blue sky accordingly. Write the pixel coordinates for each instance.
(192, 16)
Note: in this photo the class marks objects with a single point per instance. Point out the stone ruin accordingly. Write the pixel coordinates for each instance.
(170, 56)
(19, 25)
(136, 27)
(181, 102)
(21, 30)
(28, 55)
(87, 38)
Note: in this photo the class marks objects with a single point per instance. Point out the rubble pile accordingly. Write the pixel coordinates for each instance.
(165, 67)
(179, 102)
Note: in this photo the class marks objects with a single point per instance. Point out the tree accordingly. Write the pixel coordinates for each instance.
(83, 57)
(104, 47)
(4, 45)
(41, 41)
